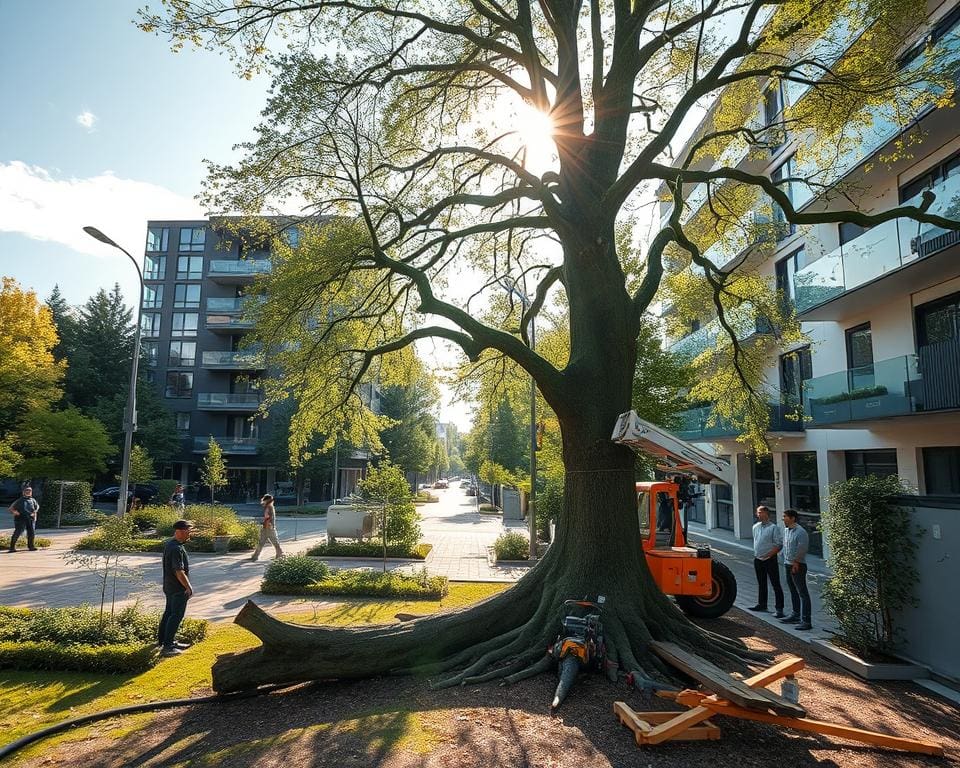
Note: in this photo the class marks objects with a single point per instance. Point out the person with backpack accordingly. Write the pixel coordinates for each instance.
(24, 511)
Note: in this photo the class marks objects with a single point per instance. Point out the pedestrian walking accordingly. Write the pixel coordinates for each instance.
(268, 532)
(177, 499)
(24, 511)
(767, 543)
(796, 542)
(176, 588)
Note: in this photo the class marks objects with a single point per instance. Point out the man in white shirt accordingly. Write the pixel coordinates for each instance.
(767, 543)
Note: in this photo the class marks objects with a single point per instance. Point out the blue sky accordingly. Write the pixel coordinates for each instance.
(103, 125)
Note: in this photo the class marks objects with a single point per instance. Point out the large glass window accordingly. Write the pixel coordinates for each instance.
(786, 269)
(939, 321)
(859, 343)
(881, 462)
(723, 496)
(941, 470)
(154, 267)
(152, 296)
(150, 351)
(764, 484)
(179, 384)
(186, 296)
(292, 236)
(184, 324)
(158, 239)
(150, 324)
(183, 422)
(189, 267)
(796, 367)
(804, 494)
(798, 192)
(182, 353)
(192, 239)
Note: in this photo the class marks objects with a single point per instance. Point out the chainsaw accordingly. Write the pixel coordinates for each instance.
(579, 645)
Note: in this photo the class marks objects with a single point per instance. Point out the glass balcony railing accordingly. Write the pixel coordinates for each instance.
(879, 250)
(228, 401)
(236, 360)
(698, 423)
(246, 445)
(229, 304)
(743, 322)
(891, 387)
(239, 267)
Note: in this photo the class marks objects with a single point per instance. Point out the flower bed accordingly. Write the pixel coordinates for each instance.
(369, 549)
(83, 639)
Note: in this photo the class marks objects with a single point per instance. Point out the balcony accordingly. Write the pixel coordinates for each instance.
(246, 446)
(233, 361)
(758, 229)
(849, 279)
(226, 315)
(696, 423)
(237, 271)
(744, 324)
(887, 388)
(228, 401)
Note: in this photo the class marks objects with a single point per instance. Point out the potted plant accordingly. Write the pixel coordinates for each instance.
(221, 536)
(873, 544)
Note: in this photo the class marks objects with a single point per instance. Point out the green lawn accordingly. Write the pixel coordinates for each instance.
(30, 700)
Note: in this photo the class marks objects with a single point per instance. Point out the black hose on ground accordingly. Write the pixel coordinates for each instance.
(15, 746)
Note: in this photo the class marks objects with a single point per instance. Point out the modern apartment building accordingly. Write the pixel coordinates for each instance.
(198, 275)
(878, 381)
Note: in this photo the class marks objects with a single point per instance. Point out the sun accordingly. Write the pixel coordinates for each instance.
(535, 131)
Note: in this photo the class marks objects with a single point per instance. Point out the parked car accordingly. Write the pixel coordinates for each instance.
(440, 484)
(472, 490)
(145, 492)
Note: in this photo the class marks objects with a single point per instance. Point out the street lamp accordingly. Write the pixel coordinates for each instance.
(130, 413)
(531, 504)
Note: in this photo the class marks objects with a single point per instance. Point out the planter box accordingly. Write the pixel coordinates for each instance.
(221, 544)
(865, 669)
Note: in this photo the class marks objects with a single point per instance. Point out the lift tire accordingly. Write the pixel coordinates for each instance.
(720, 599)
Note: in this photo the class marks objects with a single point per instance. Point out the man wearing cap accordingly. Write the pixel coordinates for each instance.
(176, 587)
(24, 518)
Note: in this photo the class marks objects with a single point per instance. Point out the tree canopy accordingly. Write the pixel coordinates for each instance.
(469, 165)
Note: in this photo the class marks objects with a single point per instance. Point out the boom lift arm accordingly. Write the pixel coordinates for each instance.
(672, 453)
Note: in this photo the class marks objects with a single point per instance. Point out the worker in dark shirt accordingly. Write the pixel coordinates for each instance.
(176, 588)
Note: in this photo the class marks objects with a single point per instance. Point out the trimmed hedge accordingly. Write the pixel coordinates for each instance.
(244, 541)
(77, 502)
(40, 541)
(363, 583)
(77, 638)
(296, 570)
(369, 549)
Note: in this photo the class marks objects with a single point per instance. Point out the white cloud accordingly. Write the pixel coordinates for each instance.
(38, 204)
(87, 119)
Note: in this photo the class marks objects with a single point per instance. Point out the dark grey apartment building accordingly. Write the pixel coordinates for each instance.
(198, 275)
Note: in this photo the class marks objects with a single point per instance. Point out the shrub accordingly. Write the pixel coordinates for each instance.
(491, 509)
(873, 544)
(371, 549)
(165, 489)
(512, 546)
(41, 542)
(296, 570)
(154, 516)
(425, 497)
(206, 517)
(366, 583)
(76, 638)
(77, 502)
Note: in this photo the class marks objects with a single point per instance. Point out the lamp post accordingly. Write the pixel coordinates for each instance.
(531, 504)
(130, 413)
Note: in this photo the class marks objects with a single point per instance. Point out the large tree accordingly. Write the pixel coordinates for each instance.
(413, 128)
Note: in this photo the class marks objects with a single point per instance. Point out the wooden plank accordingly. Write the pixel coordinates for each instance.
(639, 723)
(719, 682)
(828, 729)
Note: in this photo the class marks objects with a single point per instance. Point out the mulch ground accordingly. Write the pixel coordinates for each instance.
(400, 723)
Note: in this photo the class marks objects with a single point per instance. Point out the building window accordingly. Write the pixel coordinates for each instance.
(186, 296)
(859, 341)
(881, 463)
(773, 103)
(192, 239)
(931, 178)
(182, 353)
(154, 267)
(795, 368)
(786, 270)
(150, 351)
(189, 267)
(804, 494)
(152, 296)
(764, 484)
(150, 376)
(941, 470)
(939, 321)
(158, 239)
(183, 422)
(723, 497)
(150, 323)
(292, 236)
(184, 324)
(848, 231)
(179, 384)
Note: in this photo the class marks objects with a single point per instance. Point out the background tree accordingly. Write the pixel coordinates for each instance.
(387, 485)
(141, 465)
(422, 140)
(63, 444)
(408, 440)
(65, 321)
(30, 376)
(156, 424)
(313, 465)
(213, 471)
